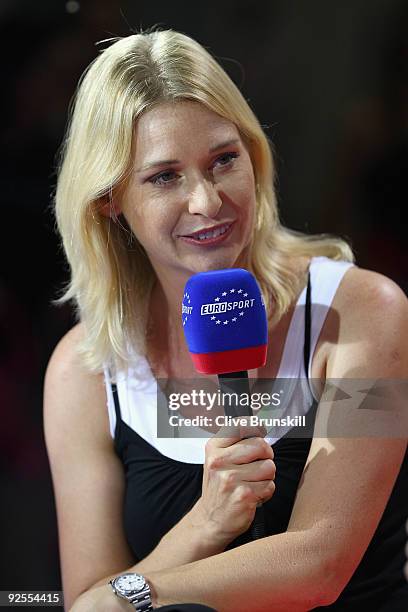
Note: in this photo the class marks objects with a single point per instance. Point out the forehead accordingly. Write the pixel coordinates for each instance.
(171, 126)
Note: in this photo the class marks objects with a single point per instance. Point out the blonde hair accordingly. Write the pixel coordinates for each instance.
(111, 276)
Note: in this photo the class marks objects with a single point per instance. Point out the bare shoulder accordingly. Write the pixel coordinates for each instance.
(72, 392)
(65, 359)
(368, 324)
(367, 289)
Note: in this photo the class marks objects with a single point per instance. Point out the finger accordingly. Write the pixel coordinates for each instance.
(248, 431)
(263, 469)
(228, 435)
(246, 451)
(254, 492)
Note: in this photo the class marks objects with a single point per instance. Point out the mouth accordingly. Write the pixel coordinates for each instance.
(209, 236)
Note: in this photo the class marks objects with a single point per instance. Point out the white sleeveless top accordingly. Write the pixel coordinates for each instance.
(137, 387)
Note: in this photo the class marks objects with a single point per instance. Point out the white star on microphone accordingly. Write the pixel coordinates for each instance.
(226, 322)
(217, 299)
(239, 290)
(223, 294)
(245, 295)
(232, 290)
(212, 318)
(241, 314)
(218, 322)
(234, 319)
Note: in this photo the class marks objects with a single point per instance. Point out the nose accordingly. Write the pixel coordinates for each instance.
(204, 199)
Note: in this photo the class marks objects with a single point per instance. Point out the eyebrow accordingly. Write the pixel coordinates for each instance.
(165, 162)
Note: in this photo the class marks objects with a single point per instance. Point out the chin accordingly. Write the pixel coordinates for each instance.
(220, 261)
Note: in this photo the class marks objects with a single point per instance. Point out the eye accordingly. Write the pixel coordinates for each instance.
(226, 158)
(169, 176)
(163, 178)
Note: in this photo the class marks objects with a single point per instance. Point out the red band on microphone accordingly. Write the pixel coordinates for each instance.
(230, 361)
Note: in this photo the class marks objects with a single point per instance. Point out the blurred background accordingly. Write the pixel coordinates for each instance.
(329, 83)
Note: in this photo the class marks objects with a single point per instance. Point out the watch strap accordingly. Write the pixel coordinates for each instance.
(142, 601)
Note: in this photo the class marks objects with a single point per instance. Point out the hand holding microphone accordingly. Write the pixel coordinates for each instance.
(239, 473)
(225, 325)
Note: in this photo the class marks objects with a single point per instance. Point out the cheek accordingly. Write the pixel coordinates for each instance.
(241, 190)
(144, 215)
(240, 181)
(152, 226)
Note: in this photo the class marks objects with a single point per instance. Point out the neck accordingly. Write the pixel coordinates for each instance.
(165, 326)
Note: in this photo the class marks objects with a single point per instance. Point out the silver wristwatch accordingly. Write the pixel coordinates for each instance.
(134, 588)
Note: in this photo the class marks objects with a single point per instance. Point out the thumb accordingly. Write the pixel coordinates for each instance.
(230, 434)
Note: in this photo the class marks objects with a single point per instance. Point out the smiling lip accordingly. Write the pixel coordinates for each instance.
(193, 238)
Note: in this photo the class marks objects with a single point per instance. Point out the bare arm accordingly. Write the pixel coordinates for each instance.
(189, 540)
(89, 484)
(344, 490)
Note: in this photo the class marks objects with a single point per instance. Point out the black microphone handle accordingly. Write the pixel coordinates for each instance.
(237, 382)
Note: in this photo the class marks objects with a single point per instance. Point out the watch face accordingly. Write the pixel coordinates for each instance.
(129, 583)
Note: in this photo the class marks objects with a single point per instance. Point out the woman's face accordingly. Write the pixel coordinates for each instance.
(192, 176)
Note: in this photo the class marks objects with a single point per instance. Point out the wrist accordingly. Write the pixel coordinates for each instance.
(207, 530)
(100, 598)
(153, 591)
(133, 589)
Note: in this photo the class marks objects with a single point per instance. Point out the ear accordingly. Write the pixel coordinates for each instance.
(109, 207)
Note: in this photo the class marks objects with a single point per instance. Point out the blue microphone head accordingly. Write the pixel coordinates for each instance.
(224, 321)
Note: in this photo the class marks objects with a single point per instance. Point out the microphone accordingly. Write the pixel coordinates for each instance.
(226, 330)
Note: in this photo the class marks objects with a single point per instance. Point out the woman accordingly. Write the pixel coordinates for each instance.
(166, 172)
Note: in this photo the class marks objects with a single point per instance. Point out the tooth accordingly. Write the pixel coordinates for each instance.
(213, 234)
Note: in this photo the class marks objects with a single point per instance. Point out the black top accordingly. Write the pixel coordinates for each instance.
(161, 490)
